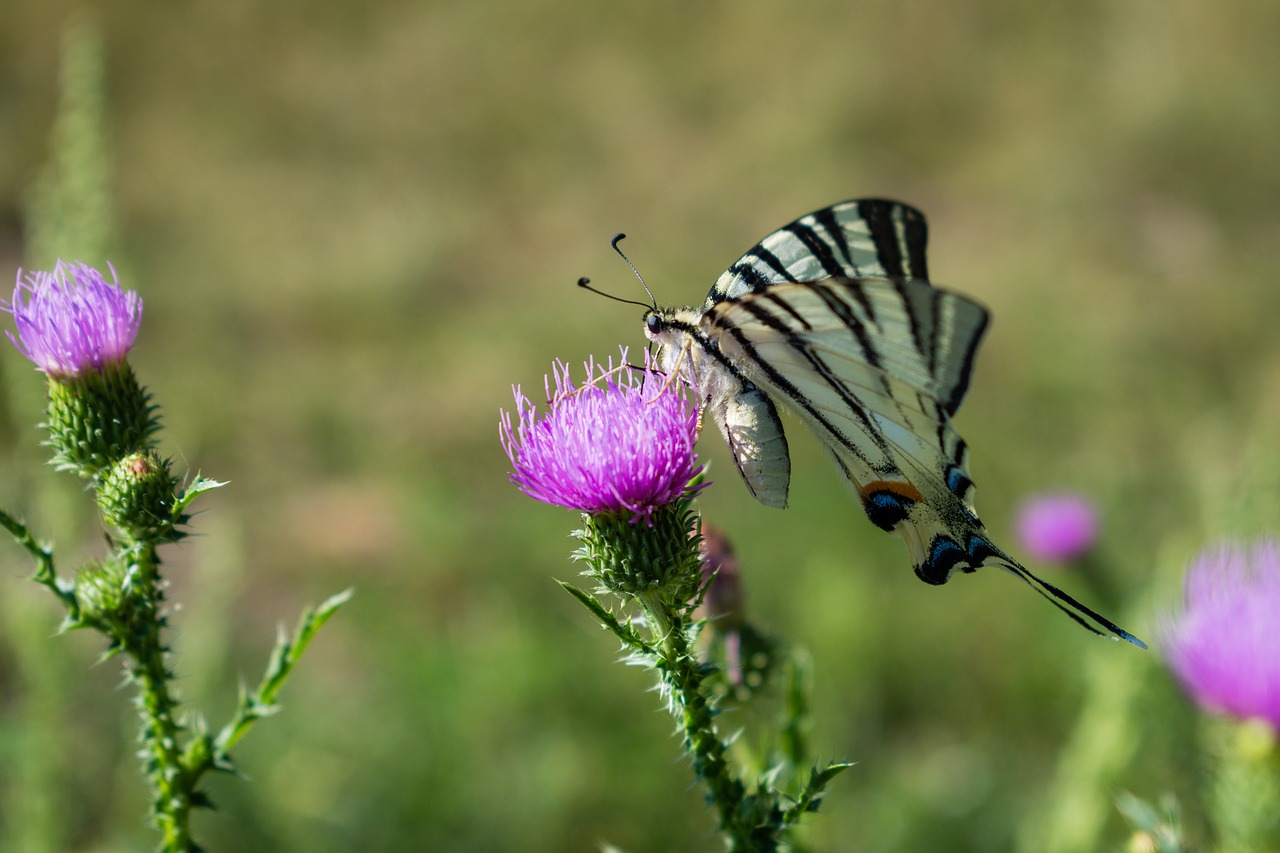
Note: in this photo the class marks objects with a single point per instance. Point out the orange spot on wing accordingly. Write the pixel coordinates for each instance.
(904, 490)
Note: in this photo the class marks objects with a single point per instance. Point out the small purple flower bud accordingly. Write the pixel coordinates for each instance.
(620, 443)
(73, 319)
(1224, 647)
(725, 599)
(1057, 528)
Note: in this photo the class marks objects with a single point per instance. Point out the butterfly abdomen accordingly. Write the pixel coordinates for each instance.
(751, 427)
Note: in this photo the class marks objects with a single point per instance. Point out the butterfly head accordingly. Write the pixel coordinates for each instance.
(655, 325)
(670, 327)
(676, 332)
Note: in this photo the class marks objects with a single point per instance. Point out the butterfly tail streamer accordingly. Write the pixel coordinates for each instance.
(1086, 616)
(934, 548)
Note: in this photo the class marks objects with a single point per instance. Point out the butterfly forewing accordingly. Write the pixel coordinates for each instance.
(859, 237)
(862, 237)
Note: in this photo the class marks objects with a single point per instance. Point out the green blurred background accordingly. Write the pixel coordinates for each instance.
(355, 226)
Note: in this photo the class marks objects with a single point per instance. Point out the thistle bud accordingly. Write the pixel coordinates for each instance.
(137, 495)
(725, 600)
(105, 595)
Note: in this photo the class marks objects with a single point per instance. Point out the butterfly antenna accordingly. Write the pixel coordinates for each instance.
(585, 284)
(617, 238)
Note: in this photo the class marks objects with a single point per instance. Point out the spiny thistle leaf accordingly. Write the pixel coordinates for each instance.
(811, 797)
(624, 633)
(198, 486)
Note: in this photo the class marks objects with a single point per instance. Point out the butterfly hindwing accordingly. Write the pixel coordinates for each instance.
(907, 330)
(839, 353)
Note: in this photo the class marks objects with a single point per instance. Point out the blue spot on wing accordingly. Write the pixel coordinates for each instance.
(958, 481)
(980, 549)
(944, 555)
(887, 509)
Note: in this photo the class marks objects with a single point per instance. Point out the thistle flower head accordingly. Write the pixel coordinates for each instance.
(620, 443)
(1057, 528)
(1224, 647)
(72, 319)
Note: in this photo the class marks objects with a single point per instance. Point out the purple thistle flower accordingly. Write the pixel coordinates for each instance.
(622, 442)
(73, 319)
(1057, 527)
(1225, 647)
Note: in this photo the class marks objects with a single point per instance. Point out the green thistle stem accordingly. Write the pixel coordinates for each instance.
(682, 679)
(45, 575)
(171, 783)
(134, 622)
(658, 565)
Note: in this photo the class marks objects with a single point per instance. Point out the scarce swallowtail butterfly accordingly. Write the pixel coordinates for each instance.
(834, 318)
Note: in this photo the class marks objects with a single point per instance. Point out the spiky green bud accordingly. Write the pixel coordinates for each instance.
(97, 417)
(137, 494)
(105, 595)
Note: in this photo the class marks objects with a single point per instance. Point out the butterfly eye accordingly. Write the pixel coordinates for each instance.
(653, 323)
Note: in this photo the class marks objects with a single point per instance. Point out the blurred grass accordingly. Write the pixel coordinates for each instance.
(356, 226)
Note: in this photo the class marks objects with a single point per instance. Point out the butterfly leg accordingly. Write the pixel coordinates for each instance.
(701, 419)
(676, 365)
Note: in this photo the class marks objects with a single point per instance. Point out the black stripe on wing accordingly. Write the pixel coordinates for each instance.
(830, 223)
(841, 309)
(915, 237)
(751, 275)
(921, 336)
(818, 249)
(946, 330)
(777, 269)
(884, 234)
(963, 375)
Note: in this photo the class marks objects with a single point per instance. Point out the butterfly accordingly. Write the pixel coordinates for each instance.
(834, 318)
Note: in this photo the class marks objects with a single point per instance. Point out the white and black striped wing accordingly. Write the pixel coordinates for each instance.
(861, 237)
(876, 368)
(852, 239)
